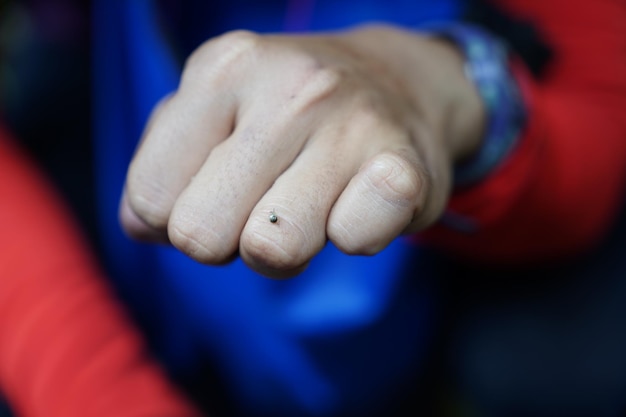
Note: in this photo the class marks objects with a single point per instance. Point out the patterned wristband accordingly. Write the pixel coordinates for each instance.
(487, 66)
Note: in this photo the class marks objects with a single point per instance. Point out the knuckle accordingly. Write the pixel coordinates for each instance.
(368, 117)
(136, 229)
(220, 57)
(366, 110)
(396, 178)
(270, 253)
(318, 84)
(191, 238)
(349, 242)
(325, 80)
(149, 200)
(237, 44)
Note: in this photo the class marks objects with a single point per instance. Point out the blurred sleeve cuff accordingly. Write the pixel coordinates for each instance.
(488, 67)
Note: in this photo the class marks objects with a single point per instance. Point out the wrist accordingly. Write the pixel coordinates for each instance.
(466, 113)
(431, 72)
(487, 67)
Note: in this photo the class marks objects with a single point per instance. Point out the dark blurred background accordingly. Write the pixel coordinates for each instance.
(45, 92)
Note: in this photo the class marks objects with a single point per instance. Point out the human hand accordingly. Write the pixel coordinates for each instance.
(349, 137)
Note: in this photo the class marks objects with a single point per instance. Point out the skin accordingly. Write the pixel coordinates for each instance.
(348, 137)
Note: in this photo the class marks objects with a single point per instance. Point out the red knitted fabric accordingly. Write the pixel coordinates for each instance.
(560, 190)
(66, 348)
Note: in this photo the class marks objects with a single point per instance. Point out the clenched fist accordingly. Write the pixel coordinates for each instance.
(274, 144)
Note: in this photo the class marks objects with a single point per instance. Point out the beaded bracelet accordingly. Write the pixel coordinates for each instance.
(487, 66)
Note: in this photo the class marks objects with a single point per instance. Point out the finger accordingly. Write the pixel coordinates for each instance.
(177, 141)
(274, 121)
(135, 227)
(208, 217)
(387, 193)
(288, 225)
(131, 223)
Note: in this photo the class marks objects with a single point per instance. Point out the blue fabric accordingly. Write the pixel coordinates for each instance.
(335, 340)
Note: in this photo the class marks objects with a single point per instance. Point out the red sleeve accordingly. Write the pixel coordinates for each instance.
(561, 189)
(66, 348)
